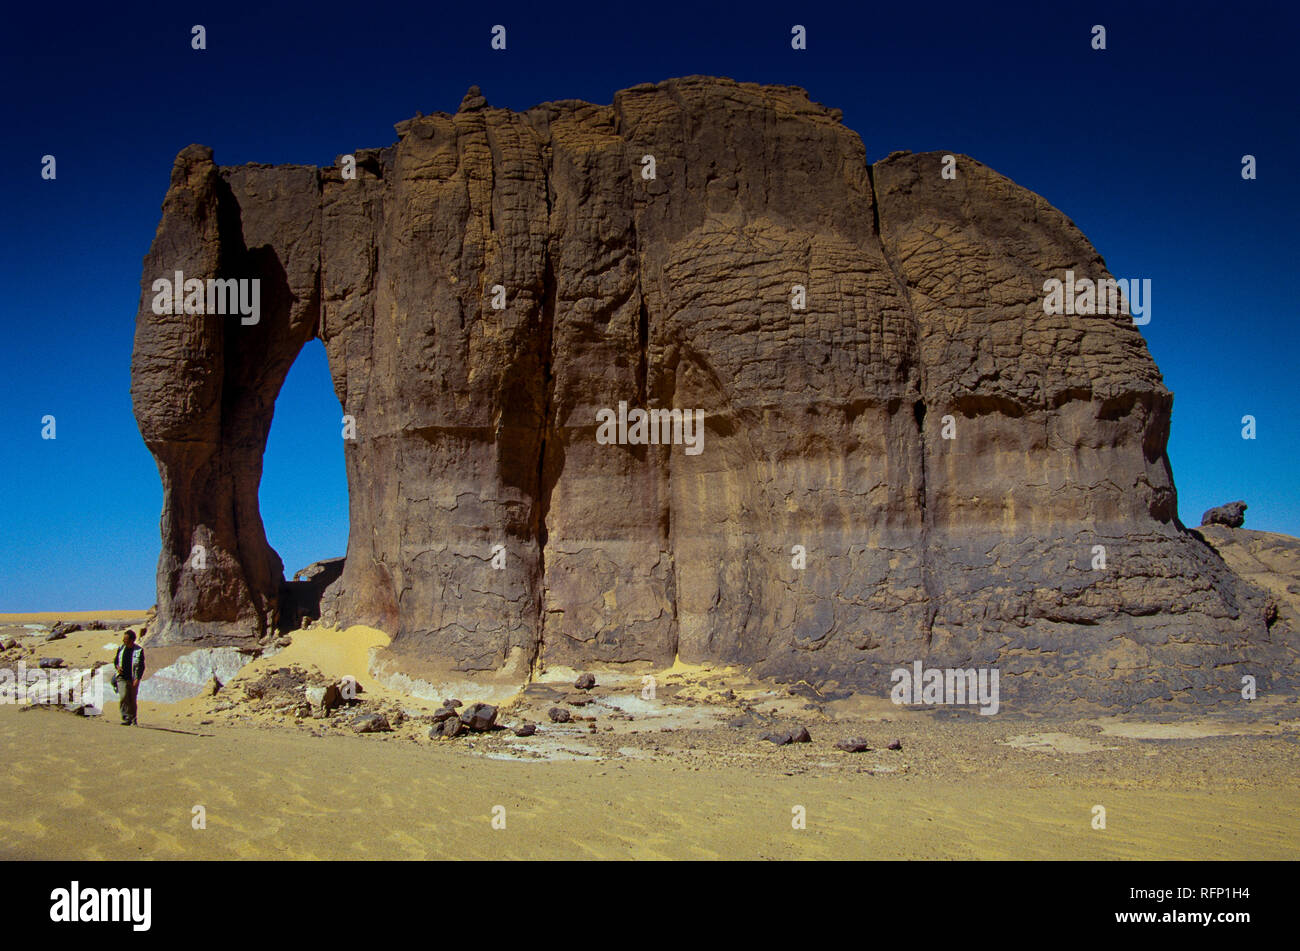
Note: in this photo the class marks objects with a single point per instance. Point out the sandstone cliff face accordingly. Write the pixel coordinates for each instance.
(824, 426)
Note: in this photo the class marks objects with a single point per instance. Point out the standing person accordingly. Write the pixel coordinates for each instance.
(130, 671)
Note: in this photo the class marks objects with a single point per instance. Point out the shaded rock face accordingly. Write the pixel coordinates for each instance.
(301, 598)
(824, 427)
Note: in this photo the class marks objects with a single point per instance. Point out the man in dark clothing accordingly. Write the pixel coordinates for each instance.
(129, 665)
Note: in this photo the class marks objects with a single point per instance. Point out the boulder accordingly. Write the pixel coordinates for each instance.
(853, 744)
(324, 698)
(1231, 514)
(371, 723)
(447, 728)
(479, 717)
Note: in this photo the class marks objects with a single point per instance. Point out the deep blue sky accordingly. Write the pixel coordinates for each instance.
(1140, 145)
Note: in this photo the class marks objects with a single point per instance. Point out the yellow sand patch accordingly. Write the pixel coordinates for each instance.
(335, 653)
(683, 669)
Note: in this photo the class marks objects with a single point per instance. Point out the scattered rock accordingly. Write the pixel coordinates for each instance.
(780, 739)
(527, 729)
(895, 745)
(324, 699)
(446, 713)
(9, 643)
(585, 682)
(479, 717)
(212, 687)
(284, 641)
(50, 663)
(1233, 514)
(447, 728)
(559, 715)
(801, 735)
(62, 629)
(371, 723)
(451, 704)
(853, 744)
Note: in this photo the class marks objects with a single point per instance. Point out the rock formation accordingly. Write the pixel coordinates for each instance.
(950, 460)
(1231, 514)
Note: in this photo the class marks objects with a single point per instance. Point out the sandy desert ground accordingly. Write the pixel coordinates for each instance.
(683, 776)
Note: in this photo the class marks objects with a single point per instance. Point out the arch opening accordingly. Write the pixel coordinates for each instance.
(303, 494)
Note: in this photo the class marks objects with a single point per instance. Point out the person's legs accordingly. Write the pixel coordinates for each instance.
(128, 702)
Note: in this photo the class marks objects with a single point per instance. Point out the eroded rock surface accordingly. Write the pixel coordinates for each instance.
(824, 426)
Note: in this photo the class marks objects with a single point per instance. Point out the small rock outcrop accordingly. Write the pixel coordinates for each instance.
(1231, 514)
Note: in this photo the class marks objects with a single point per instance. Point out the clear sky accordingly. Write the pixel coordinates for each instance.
(1140, 144)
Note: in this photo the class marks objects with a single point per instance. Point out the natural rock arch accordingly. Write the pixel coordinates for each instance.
(475, 425)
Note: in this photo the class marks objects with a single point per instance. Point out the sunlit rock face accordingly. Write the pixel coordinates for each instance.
(901, 456)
